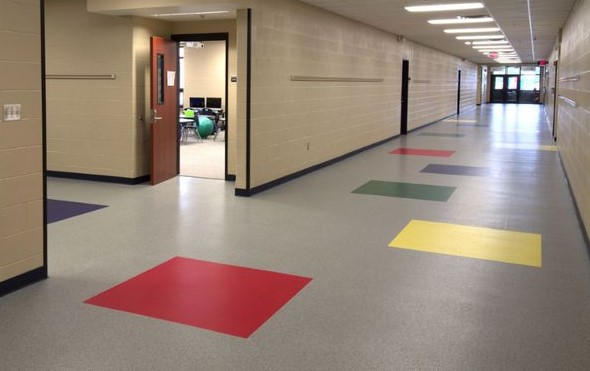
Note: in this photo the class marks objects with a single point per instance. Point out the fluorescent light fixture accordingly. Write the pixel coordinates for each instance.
(468, 43)
(495, 47)
(443, 7)
(490, 42)
(460, 20)
(480, 37)
(471, 30)
(191, 13)
(489, 51)
(495, 51)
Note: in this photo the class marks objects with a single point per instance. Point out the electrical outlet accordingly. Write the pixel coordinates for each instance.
(11, 112)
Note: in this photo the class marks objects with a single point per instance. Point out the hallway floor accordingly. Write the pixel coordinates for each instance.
(203, 158)
(456, 247)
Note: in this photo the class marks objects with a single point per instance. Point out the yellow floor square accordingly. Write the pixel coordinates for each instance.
(472, 242)
(532, 147)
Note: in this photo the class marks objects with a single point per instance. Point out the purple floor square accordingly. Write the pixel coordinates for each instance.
(59, 210)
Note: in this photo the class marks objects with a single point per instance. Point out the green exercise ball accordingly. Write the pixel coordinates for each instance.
(205, 126)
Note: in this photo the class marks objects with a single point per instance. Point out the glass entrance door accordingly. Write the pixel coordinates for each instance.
(511, 89)
(505, 89)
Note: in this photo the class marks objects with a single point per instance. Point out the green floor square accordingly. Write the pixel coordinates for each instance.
(406, 190)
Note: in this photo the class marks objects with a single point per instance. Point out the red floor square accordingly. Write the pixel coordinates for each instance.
(422, 152)
(219, 297)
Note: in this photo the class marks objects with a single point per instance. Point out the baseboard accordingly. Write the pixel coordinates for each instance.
(430, 123)
(264, 187)
(261, 188)
(22, 280)
(99, 178)
(585, 232)
(230, 178)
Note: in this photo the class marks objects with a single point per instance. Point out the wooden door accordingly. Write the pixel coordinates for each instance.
(164, 110)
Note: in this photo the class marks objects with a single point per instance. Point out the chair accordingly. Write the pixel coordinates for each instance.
(190, 122)
(219, 124)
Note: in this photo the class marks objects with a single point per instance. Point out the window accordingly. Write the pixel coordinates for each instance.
(181, 76)
(498, 70)
(513, 70)
(529, 82)
(530, 70)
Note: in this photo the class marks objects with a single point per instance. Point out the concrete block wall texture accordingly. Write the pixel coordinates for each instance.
(90, 123)
(296, 125)
(21, 178)
(574, 122)
(101, 127)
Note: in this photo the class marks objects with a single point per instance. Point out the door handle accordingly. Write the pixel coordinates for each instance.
(155, 115)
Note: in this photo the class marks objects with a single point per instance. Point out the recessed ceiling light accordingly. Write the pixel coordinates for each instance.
(472, 30)
(498, 47)
(492, 50)
(508, 61)
(443, 7)
(192, 13)
(460, 20)
(480, 37)
(490, 42)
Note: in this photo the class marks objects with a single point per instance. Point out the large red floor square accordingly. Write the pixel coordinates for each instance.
(219, 297)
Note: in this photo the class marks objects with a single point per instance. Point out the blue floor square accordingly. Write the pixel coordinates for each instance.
(455, 170)
(59, 210)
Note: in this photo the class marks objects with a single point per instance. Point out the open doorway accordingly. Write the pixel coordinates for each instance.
(203, 97)
(458, 92)
(405, 97)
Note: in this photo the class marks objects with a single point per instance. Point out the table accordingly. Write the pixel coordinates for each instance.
(186, 125)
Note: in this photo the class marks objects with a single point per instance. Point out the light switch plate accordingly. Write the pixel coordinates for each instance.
(11, 112)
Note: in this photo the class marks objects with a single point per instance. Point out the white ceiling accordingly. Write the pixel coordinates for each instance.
(548, 16)
(512, 16)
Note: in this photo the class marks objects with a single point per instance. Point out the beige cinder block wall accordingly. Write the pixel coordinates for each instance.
(89, 122)
(574, 121)
(434, 84)
(21, 166)
(229, 27)
(298, 124)
(98, 127)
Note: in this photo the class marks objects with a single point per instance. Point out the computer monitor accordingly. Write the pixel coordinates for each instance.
(197, 102)
(213, 102)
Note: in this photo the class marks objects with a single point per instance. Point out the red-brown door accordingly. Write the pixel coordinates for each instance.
(164, 110)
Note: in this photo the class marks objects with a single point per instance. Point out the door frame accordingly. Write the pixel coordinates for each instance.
(458, 92)
(220, 36)
(504, 88)
(555, 102)
(163, 124)
(405, 96)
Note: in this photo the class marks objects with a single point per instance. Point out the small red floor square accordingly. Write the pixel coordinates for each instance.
(219, 297)
(422, 152)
